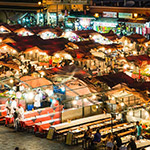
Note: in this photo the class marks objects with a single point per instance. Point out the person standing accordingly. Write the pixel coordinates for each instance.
(87, 137)
(37, 101)
(118, 111)
(20, 112)
(8, 106)
(13, 105)
(138, 130)
(16, 119)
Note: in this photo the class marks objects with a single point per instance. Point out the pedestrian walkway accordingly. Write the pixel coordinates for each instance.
(27, 141)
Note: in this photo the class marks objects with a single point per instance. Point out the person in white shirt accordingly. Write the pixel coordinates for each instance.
(37, 101)
(8, 106)
(13, 105)
(20, 112)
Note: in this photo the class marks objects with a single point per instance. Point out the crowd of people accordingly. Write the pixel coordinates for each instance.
(112, 141)
(14, 111)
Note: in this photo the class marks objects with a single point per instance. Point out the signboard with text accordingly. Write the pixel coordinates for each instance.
(105, 24)
(125, 15)
(110, 14)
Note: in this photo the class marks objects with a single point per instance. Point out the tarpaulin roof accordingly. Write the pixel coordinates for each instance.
(118, 78)
(10, 63)
(37, 30)
(86, 46)
(110, 35)
(11, 27)
(84, 33)
(35, 82)
(67, 70)
(139, 59)
(49, 46)
(138, 38)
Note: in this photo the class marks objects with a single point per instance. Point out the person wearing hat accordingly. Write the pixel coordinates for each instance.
(13, 105)
(20, 112)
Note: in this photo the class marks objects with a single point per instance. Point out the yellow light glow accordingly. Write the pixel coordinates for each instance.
(134, 52)
(109, 50)
(42, 74)
(94, 97)
(132, 67)
(85, 99)
(96, 15)
(131, 113)
(14, 51)
(31, 52)
(126, 66)
(57, 55)
(11, 81)
(122, 104)
(74, 102)
(135, 15)
(113, 98)
(39, 3)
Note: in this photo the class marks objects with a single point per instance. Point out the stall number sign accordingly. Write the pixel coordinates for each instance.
(125, 15)
(110, 14)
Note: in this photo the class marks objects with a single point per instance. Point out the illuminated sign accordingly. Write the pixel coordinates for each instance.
(105, 24)
(110, 14)
(125, 15)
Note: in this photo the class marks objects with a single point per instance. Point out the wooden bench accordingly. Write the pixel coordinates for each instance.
(76, 138)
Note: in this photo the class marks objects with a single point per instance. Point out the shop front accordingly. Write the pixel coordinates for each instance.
(82, 22)
(104, 25)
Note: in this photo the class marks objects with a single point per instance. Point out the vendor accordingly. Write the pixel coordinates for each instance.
(8, 106)
(37, 101)
(13, 105)
(20, 112)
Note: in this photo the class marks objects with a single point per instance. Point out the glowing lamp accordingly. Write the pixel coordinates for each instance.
(134, 52)
(122, 104)
(57, 55)
(126, 66)
(11, 81)
(14, 51)
(96, 15)
(85, 99)
(132, 67)
(74, 102)
(135, 15)
(131, 113)
(109, 50)
(94, 97)
(39, 3)
(31, 52)
(77, 98)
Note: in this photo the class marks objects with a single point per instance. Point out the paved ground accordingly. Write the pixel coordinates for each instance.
(27, 141)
